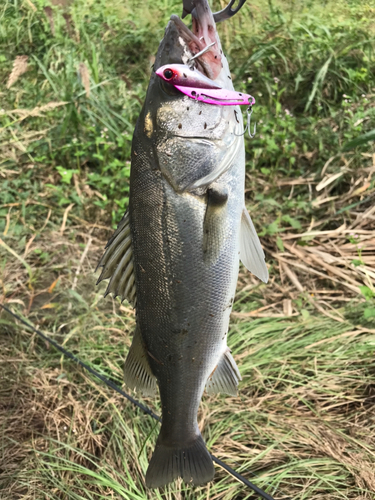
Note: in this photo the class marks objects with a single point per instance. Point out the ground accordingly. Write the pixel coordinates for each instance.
(73, 77)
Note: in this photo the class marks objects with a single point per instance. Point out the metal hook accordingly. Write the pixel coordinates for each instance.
(228, 11)
(249, 112)
(188, 7)
(203, 51)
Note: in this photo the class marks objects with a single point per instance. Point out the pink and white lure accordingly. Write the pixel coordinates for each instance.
(197, 86)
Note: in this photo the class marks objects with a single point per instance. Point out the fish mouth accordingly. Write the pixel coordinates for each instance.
(202, 35)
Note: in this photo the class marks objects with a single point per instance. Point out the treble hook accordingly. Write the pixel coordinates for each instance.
(249, 113)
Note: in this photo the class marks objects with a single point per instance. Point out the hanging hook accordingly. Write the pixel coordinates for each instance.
(249, 113)
(228, 11)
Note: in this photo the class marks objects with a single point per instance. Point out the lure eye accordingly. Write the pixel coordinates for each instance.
(168, 73)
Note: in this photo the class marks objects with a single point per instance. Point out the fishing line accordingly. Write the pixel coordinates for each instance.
(84, 365)
(142, 407)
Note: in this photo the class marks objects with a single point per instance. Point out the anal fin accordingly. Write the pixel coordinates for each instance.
(225, 377)
(251, 251)
(137, 371)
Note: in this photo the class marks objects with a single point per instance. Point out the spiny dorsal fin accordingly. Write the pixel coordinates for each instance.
(137, 371)
(225, 377)
(251, 251)
(117, 263)
(123, 222)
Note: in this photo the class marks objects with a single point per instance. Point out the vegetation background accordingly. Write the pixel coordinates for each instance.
(73, 76)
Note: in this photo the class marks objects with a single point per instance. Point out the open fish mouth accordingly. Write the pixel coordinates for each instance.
(202, 40)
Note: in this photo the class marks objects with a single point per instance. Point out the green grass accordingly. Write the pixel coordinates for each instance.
(298, 62)
(303, 425)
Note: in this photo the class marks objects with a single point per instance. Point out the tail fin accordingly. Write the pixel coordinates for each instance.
(192, 463)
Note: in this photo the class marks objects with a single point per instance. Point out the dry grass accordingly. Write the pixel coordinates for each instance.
(85, 77)
(304, 418)
(303, 423)
(329, 260)
(20, 66)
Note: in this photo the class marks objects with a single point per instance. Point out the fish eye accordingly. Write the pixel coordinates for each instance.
(168, 73)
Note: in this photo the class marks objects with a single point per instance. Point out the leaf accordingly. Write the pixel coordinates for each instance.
(318, 80)
(367, 292)
(273, 228)
(280, 244)
(358, 141)
(369, 313)
(66, 174)
(357, 262)
(305, 313)
(293, 222)
(52, 286)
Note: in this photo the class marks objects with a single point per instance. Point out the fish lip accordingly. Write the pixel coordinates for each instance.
(196, 137)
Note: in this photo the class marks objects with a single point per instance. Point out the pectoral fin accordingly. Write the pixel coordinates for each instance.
(225, 377)
(137, 371)
(215, 222)
(117, 263)
(251, 251)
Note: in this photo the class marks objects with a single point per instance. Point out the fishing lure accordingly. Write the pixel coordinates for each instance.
(195, 85)
(181, 75)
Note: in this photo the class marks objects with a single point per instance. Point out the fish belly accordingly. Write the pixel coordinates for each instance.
(184, 299)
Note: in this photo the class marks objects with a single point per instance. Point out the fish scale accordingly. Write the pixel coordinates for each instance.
(188, 230)
(181, 293)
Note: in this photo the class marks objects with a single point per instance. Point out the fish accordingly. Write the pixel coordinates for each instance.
(175, 253)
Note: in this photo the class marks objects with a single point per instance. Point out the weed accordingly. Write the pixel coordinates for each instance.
(73, 76)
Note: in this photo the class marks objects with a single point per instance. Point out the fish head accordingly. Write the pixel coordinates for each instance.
(180, 45)
(190, 138)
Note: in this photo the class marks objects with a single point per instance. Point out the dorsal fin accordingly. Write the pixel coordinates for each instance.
(117, 263)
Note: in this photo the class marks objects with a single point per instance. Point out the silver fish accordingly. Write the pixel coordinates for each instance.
(175, 254)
